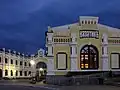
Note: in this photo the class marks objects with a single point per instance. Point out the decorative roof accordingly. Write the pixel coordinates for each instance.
(64, 27)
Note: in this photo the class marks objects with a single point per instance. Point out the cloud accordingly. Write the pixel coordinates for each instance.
(23, 22)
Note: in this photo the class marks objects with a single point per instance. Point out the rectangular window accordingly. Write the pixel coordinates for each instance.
(25, 63)
(61, 61)
(25, 73)
(71, 50)
(16, 62)
(20, 73)
(29, 65)
(115, 60)
(6, 60)
(0, 60)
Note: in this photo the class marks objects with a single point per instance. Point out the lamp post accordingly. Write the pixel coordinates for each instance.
(32, 62)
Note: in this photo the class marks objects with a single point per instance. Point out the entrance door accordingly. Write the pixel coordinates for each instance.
(0, 73)
(89, 57)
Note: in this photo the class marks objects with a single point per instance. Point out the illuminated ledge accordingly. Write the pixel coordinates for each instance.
(73, 70)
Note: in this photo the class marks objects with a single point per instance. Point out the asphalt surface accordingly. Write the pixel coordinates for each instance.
(90, 87)
(19, 87)
(25, 85)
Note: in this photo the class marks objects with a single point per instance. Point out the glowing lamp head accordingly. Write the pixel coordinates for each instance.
(41, 69)
(32, 62)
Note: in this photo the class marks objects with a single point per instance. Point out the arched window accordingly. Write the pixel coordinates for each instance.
(11, 73)
(88, 22)
(85, 22)
(11, 61)
(25, 73)
(29, 73)
(91, 22)
(89, 57)
(6, 72)
(82, 22)
(16, 73)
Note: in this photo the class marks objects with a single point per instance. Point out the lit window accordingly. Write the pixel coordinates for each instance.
(86, 65)
(82, 65)
(82, 59)
(86, 56)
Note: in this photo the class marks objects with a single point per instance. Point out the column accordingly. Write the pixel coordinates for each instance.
(105, 54)
(50, 66)
(74, 52)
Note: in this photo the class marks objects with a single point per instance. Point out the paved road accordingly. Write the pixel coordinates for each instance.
(90, 87)
(21, 85)
(18, 87)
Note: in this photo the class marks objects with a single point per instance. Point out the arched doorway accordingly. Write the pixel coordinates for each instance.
(41, 72)
(0, 73)
(89, 57)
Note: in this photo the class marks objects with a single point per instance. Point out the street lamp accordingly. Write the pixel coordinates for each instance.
(41, 69)
(32, 62)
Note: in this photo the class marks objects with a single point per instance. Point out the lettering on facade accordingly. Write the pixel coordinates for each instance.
(89, 34)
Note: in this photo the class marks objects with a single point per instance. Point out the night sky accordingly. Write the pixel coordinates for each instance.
(23, 22)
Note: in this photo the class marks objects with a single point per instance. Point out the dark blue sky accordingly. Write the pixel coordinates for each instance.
(23, 22)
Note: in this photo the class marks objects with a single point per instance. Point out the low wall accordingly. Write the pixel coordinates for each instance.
(76, 80)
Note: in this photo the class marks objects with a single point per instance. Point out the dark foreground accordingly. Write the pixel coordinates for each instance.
(25, 85)
(19, 87)
(93, 87)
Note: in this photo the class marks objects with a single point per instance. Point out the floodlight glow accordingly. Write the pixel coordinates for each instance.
(32, 62)
(41, 69)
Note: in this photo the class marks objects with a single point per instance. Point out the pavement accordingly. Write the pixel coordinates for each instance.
(25, 85)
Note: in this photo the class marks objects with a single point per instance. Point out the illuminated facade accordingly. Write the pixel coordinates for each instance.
(16, 65)
(83, 46)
